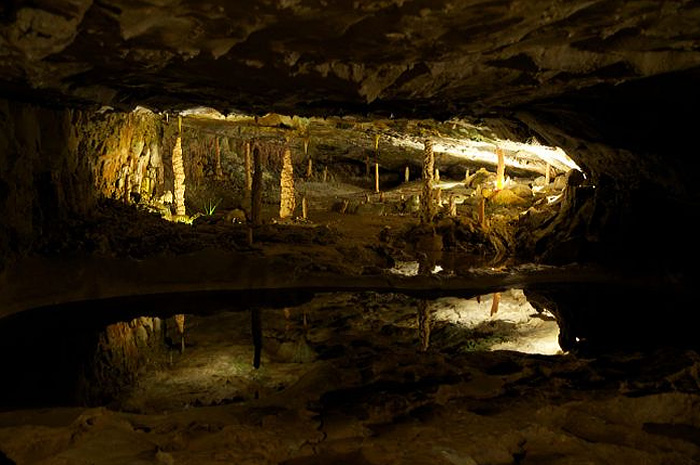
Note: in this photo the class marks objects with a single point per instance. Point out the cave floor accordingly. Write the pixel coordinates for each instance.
(343, 378)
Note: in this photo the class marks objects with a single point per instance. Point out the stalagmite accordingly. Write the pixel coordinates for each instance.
(325, 174)
(546, 175)
(310, 169)
(466, 175)
(179, 175)
(180, 323)
(287, 199)
(427, 197)
(407, 174)
(500, 170)
(218, 172)
(257, 187)
(256, 330)
(495, 302)
(304, 207)
(438, 197)
(376, 178)
(437, 175)
(453, 205)
(248, 169)
(482, 212)
(424, 324)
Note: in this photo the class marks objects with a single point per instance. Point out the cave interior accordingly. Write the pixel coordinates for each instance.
(311, 232)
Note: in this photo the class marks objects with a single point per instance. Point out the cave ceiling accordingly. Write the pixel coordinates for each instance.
(435, 58)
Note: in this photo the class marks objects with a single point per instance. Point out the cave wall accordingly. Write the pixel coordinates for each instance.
(55, 164)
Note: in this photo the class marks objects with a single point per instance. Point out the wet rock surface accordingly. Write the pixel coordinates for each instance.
(338, 385)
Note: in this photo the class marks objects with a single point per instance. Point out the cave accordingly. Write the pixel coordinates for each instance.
(310, 232)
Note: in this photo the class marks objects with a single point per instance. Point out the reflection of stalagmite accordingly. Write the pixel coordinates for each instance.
(287, 200)
(256, 330)
(495, 302)
(427, 200)
(179, 181)
(257, 186)
(424, 324)
(180, 323)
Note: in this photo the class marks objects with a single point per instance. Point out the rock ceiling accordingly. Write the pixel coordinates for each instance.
(418, 58)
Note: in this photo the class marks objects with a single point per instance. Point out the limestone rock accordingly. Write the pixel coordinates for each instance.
(506, 197)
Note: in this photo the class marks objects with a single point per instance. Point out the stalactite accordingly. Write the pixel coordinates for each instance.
(407, 174)
(256, 330)
(500, 169)
(424, 324)
(218, 171)
(376, 177)
(427, 197)
(287, 198)
(466, 176)
(257, 187)
(179, 178)
(437, 174)
(495, 302)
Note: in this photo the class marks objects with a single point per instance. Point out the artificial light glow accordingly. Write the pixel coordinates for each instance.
(530, 332)
(520, 155)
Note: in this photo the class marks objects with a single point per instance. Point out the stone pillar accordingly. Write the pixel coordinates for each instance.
(287, 200)
(427, 201)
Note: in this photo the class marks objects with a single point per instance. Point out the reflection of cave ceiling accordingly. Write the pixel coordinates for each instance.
(406, 57)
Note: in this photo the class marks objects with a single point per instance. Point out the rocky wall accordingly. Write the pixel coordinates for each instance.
(55, 164)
